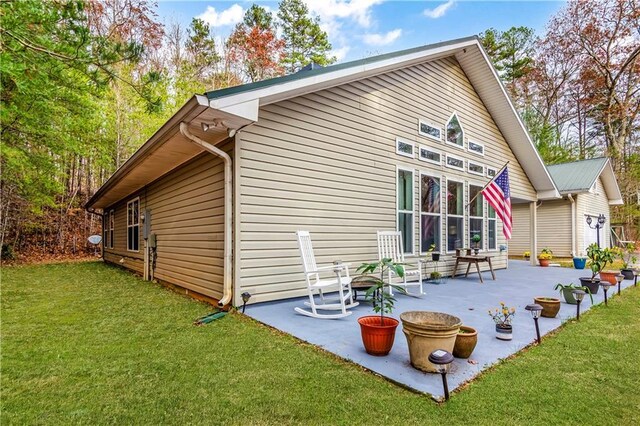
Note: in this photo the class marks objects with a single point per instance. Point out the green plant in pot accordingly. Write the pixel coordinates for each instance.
(567, 292)
(545, 256)
(436, 277)
(378, 331)
(503, 316)
(599, 258)
(476, 240)
(628, 256)
(435, 256)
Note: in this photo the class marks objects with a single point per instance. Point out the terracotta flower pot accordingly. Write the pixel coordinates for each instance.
(465, 342)
(609, 276)
(543, 262)
(550, 306)
(378, 336)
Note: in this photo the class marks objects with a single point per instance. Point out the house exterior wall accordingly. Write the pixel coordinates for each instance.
(554, 227)
(326, 162)
(593, 203)
(521, 227)
(187, 216)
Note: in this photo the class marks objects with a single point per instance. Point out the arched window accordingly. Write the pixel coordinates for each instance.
(455, 134)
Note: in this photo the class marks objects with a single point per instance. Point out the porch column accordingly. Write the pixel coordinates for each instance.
(533, 233)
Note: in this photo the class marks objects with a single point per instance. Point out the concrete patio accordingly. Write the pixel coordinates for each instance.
(465, 298)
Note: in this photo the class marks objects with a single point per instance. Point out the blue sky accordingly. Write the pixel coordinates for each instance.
(360, 28)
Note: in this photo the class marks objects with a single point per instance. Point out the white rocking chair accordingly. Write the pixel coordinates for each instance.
(390, 247)
(340, 283)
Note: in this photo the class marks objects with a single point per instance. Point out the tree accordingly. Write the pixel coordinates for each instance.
(305, 42)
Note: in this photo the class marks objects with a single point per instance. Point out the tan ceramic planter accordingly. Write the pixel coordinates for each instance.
(550, 306)
(426, 332)
(465, 342)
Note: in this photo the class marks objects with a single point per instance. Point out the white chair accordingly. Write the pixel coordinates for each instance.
(390, 247)
(340, 283)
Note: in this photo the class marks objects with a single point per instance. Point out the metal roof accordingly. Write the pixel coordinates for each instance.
(577, 176)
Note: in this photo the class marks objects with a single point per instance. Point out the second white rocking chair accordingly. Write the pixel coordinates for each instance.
(340, 283)
(390, 247)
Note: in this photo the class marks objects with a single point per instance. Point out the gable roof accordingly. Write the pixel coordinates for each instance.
(232, 108)
(581, 176)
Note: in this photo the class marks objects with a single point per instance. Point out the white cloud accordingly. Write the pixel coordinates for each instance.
(382, 39)
(227, 17)
(438, 12)
(340, 53)
(357, 10)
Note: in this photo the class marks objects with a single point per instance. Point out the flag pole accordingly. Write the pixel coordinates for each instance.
(480, 192)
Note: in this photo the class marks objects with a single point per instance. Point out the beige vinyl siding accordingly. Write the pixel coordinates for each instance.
(554, 227)
(187, 216)
(119, 253)
(520, 235)
(593, 203)
(326, 162)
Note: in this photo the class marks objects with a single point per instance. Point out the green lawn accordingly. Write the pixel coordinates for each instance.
(89, 343)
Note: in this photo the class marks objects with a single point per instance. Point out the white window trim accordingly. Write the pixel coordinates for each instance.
(446, 162)
(464, 228)
(112, 226)
(428, 160)
(412, 212)
(105, 231)
(430, 124)
(476, 143)
(404, 154)
(486, 171)
(132, 225)
(433, 175)
(484, 219)
(469, 163)
(495, 220)
(462, 147)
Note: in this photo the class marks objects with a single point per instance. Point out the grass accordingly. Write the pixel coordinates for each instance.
(86, 343)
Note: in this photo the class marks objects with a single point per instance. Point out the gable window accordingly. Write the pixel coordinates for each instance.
(455, 134)
(429, 130)
(476, 216)
(455, 162)
(492, 234)
(429, 155)
(133, 225)
(491, 172)
(405, 208)
(476, 148)
(455, 215)
(112, 221)
(105, 231)
(404, 147)
(476, 169)
(430, 228)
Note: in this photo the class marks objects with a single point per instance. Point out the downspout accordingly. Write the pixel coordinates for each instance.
(228, 209)
(574, 247)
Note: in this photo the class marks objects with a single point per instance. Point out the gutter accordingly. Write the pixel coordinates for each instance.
(227, 286)
(574, 221)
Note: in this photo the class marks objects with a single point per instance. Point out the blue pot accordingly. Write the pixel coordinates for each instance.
(579, 262)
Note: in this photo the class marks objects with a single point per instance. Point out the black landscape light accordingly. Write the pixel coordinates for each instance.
(605, 287)
(619, 279)
(579, 295)
(535, 310)
(635, 276)
(245, 298)
(442, 360)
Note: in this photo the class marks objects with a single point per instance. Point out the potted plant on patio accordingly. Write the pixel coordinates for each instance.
(476, 240)
(435, 256)
(503, 316)
(628, 256)
(545, 256)
(378, 331)
(466, 342)
(579, 262)
(526, 255)
(599, 258)
(550, 306)
(436, 277)
(567, 292)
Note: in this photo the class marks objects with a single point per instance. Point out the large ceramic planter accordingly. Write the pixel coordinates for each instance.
(579, 262)
(567, 294)
(504, 332)
(609, 276)
(628, 274)
(543, 262)
(377, 335)
(426, 332)
(550, 306)
(592, 285)
(466, 342)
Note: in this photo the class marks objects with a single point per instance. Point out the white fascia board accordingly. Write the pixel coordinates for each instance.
(617, 202)
(247, 110)
(610, 184)
(548, 195)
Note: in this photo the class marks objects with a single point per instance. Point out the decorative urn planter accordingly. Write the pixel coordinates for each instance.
(543, 262)
(609, 276)
(378, 334)
(628, 273)
(466, 342)
(427, 331)
(592, 285)
(579, 262)
(550, 306)
(504, 331)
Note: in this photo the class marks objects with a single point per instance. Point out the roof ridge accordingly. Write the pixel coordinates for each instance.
(579, 161)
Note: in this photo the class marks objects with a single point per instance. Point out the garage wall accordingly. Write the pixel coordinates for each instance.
(593, 203)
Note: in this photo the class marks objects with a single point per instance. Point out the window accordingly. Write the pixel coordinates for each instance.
(133, 225)
(476, 169)
(405, 208)
(112, 221)
(430, 228)
(476, 216)
(476, 148)
(429, 130)
(492, 222)
(429, 155)
(491, 172)
(404, 147)
(455, 215)
(105, 231)
(455, 162)
(455, 134)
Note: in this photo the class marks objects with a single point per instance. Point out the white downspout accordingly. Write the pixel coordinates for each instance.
(227, 289)
(574, 247)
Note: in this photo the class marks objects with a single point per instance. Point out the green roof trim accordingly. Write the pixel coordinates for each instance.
(319, 71)
(577, 176)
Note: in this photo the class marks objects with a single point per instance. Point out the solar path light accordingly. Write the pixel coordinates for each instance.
(579, 295)
(442, 360)
(636, 272)
(535, 310)
(605, 287)
(619, 279)
(245, 298)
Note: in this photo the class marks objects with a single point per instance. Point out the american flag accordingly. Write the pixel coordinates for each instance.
(498, 195)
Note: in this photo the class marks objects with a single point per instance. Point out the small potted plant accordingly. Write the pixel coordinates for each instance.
(599, 258)
(526, 255)
(378, 331)
(466, 342)
(567, 292)
(579, 262)
(550, 306)
(436, 277)
(435, 256)
(545, 256)
(476, 240)
(503, 316)
(628, 256)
